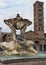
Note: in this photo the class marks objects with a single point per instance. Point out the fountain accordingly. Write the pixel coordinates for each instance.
(21, 51)
(20, 46)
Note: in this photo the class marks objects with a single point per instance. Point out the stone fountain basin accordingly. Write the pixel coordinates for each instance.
(38, 59)
(39, 55)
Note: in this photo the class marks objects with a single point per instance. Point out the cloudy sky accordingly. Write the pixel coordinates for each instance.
(9, 9)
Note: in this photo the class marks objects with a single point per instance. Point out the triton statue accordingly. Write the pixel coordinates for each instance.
(19, 46)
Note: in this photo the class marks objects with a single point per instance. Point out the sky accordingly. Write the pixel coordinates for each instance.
(10, 8)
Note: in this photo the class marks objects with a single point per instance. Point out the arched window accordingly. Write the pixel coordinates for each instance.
(39, 28)
(40, 47)
(37, 42)
(36, 45)
(45, 47)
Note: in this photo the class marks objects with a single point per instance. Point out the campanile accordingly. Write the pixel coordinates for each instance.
(39, 17)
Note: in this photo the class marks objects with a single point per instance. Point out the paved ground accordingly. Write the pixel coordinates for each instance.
(27, 63)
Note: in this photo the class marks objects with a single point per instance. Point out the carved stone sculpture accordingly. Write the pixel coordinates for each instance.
(20, 46)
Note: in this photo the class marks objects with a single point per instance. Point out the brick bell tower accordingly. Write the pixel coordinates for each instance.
(39, 18)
